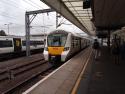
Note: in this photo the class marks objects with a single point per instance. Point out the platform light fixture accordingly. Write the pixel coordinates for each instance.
(8, 24)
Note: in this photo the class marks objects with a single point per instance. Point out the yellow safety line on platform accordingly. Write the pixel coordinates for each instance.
(80, 77)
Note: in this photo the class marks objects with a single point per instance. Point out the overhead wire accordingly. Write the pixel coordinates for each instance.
(14, 5)
(5, 13)
(31, 4)
(36, 4)
(39, 6)
(11, 4)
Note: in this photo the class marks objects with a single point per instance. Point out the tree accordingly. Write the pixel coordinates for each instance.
(2, 33)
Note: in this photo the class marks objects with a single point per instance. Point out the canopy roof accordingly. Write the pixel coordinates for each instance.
(106, 15)
(83, 15)
(74, 12)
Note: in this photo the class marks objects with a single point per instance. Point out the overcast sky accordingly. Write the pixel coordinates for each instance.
(12, 12)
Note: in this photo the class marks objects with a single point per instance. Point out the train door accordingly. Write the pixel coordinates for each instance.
(17, 44)
(80, 43)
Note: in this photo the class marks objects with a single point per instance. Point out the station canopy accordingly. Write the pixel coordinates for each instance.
(106, 15)
(74, 12)
(83, 15)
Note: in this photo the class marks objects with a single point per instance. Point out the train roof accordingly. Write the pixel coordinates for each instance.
(58, 31)
(66, 32)
(22, 37)
(11, 36)
(61, 31)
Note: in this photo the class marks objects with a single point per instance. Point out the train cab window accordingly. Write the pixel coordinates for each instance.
(5, 43)
(57, 39)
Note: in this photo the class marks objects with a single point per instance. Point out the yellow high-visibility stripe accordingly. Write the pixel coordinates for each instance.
(74, 90)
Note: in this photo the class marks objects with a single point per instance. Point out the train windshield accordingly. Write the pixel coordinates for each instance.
(57, 39)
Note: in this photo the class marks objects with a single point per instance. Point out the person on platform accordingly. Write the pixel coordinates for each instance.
(96, 46)
(116, 50)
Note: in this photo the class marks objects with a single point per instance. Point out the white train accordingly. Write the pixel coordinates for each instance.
(17, 44)
(61, 45)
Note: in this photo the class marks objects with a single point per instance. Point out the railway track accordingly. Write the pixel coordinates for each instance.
(8, 71)
(14, 76)
(11, 56)
(19, 77)
(26, 85)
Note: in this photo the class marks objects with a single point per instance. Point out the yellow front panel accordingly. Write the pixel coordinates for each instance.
(55, 50)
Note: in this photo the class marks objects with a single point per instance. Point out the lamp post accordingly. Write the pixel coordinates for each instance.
(8, 26)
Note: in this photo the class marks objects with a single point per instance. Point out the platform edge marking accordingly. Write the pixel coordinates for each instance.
(38, 83)
(80, 76)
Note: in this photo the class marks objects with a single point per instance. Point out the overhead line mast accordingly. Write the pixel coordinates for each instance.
(28, 21)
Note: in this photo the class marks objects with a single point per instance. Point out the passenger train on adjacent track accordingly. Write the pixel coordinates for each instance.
(17, 44)
(62, 45)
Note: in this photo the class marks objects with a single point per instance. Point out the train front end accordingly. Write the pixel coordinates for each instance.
(55, 50)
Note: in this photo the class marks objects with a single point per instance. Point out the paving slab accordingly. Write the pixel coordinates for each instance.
(105, 77)
(63, 80)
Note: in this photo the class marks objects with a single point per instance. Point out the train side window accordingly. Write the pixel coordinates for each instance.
(76, 42)
(72, 44)
(5, 43)
(39, 42)
(33, 43)
(24, 43)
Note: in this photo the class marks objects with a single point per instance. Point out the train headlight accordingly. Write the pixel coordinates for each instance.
(66, 48)
(46, 48)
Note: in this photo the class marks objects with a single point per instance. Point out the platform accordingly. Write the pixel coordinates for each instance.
(62, 80)
(105, 77)
(84, 74)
